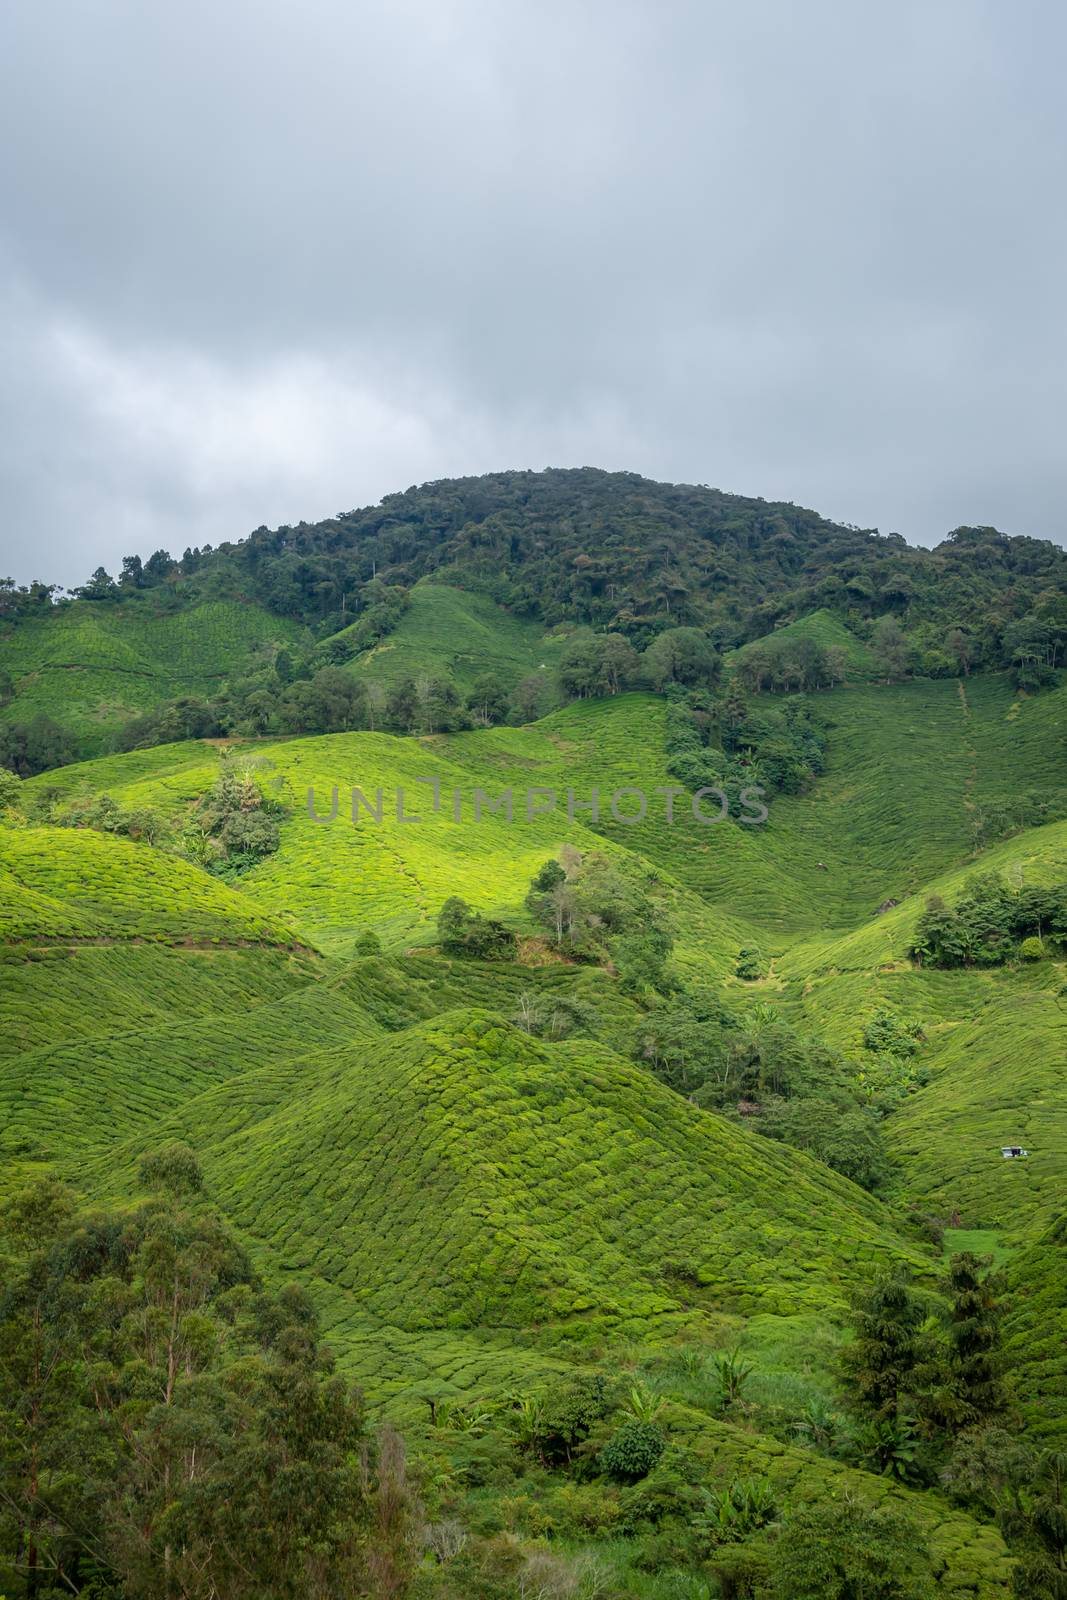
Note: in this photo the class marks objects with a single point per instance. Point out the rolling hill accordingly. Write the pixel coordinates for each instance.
(476, 1166)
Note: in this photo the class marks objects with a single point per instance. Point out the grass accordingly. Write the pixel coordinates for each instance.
(982, 1242)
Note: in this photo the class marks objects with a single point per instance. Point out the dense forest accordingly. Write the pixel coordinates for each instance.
(620, 553)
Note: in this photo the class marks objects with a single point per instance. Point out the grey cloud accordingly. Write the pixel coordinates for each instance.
(262, 261)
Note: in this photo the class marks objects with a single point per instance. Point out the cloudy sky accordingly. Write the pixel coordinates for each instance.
(264, 261)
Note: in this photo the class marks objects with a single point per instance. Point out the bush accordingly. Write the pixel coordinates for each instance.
(462, 932)
(368, 944)
(835, 1552)
(1032, 949)
(888, 1034)
(750, 963)
(632, 1451)
(10, 790)
(173, 1166)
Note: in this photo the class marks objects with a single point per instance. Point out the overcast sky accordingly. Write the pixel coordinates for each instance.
(265, 261)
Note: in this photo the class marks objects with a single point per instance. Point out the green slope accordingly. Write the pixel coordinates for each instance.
(90, 666)
(69, 885)
(822, 628)
(466, 1176)
(448, 632)
(1036, 1333)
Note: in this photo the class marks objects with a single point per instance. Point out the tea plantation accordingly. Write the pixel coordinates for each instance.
(483, 1217)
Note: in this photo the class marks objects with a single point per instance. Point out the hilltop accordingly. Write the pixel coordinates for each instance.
(468, 578)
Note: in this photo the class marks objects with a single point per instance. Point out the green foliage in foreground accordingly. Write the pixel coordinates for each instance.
(216, 1450)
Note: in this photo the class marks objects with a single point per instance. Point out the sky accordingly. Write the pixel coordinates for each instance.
(262, 262)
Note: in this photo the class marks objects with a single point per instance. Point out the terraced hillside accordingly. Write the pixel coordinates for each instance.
(89, 666)
(1037, 1332)
(74, 885)
(447, 632)
(468, 1176)
(479, 1213)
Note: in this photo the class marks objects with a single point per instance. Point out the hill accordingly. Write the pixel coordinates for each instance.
(73, 885)
(1037, 1332)
(90, 666)
(530, 553)
(499, 1180)
(460, 635)
(465, 1175)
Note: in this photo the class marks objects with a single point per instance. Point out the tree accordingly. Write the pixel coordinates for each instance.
(847, 1138)
(402, 706)
(27, 748)
(174, 1168)
(440, 709)
(975, 1387)
(216, 1451)
(488, 701)
(101, 586)
(333, 701)
(960, 647)
(683, 656)
(527, 699)
(850, 1552)
(10, 790)
(1038, 1521)
(887, 1349)
(891, 647)
(618, 666)
(462, 932)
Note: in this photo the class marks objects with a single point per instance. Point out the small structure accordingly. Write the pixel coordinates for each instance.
(1011, 1152)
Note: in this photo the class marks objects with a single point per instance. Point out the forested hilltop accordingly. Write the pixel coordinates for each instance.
(211, 643)
(611, 549)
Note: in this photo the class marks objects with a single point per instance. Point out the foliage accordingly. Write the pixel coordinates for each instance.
(735, 1513)
(987, 923)
(463, 932)
(596, 912)
(217, 1451)
(237, 822)
(891, 1035)
(839, 1552)
(751, 963)
(632, 1451)
(30, 747)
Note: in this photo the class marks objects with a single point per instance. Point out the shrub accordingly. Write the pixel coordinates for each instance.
(1032, 949)
(733, 1513)
(888, 1034)
(463, 932)
(632, 1451)
(173, 1166)
(10, 790)
(750, 963)
(836, 1552)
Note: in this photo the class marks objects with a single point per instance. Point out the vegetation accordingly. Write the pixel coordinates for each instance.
(990, 923)
(216, 1449)
(642, 1169)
